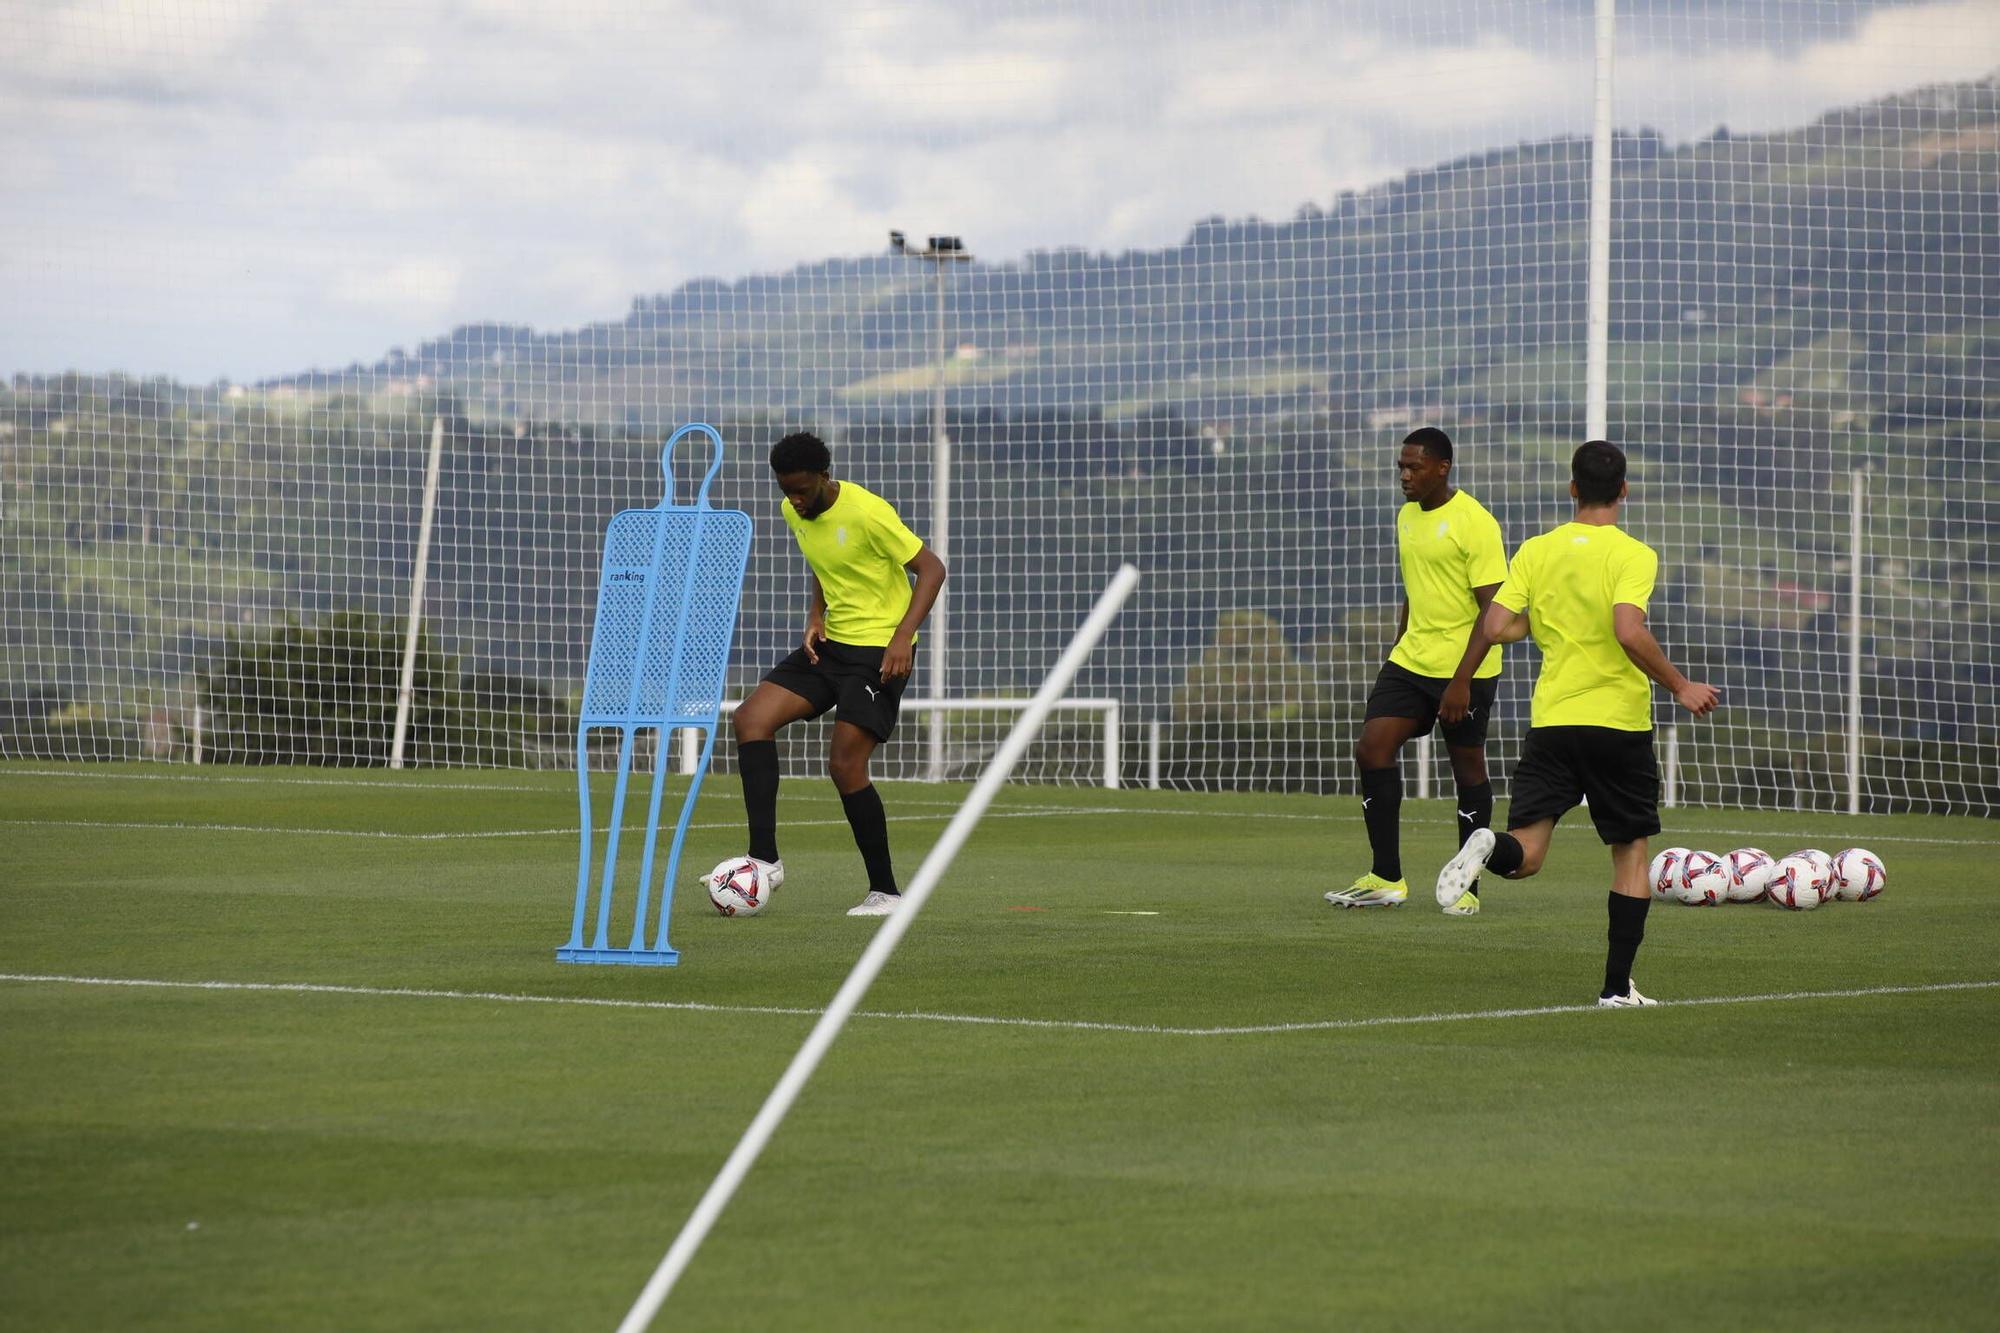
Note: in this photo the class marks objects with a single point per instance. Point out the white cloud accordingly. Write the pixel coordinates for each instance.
(154, 50)
(424, 286)
(242, 187)
(923, 80)
(1752, 88)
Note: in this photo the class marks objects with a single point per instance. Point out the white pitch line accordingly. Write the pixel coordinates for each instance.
(185, 827)
(399, 788)
(971, 1020)
(403, 992)
(179, 826)
(196, 779)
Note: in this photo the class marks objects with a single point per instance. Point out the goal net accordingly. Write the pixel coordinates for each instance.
(1224, 255)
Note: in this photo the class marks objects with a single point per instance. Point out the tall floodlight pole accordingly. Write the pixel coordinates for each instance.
(1597, 331)
(939, 251)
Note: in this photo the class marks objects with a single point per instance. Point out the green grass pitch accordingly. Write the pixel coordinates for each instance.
(184, 1158)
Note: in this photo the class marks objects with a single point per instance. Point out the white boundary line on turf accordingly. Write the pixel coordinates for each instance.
(1018, 812)
(407, 786)
(194, 778)
(391, 786)
(969, 1020)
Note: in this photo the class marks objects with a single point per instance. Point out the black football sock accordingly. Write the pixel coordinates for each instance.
(757, 762)
(1507, 855)
(871, 834)
(1628, 927)
(1382, 811)
(1475, 810)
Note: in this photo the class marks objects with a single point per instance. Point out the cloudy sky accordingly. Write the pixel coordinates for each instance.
(243, 188)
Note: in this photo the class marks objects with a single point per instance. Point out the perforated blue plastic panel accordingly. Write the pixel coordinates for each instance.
(667, 598)
(667, 619)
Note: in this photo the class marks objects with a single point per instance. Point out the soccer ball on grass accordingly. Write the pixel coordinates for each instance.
(1857, 875)
(1663, 876)
(1798, 884)
(1749, 872)
(738, 887)
(1704, 880)
(1823, 860)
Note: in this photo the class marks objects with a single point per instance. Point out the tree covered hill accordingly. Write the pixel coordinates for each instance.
(1451, 286)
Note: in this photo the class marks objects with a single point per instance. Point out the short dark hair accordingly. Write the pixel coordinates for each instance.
(1431, 440)
(801, 451)
(1598, 469)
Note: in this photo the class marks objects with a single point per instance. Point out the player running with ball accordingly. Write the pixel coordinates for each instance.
(855, 657)
(1582, 590)
(1453, 561)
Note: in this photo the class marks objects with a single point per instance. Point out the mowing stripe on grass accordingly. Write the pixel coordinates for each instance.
(973, 1020)
(196, 777)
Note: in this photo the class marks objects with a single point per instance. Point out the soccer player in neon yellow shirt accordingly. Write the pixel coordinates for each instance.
(1453, 560)
(856, 655)
(1582, 590)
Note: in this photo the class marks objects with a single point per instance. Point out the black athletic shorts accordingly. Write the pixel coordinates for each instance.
(1400, 692)
(1613, 770)
(848, 678)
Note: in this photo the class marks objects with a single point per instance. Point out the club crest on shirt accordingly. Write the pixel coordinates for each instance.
(1444, 526)
(840, 536)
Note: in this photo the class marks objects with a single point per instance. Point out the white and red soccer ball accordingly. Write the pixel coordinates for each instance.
(1749, 873)
(1799, 884)
(739, 887)
(1823, 860)
(1663, 876)
(1704, 880)
(1858, 875)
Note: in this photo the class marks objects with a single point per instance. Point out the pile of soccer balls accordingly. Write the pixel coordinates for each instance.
(1800, 882)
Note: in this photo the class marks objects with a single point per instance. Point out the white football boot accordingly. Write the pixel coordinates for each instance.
(1631, 999)
(1462, 871)
(876, 903)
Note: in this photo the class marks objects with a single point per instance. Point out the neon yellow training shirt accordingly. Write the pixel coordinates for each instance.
(1567, 581)
(858, 548)
(1445, 553)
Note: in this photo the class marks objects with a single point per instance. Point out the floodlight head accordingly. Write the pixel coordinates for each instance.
(946, 244)
(897, 242)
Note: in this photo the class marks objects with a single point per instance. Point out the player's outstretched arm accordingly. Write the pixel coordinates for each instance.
(1629, 623)
(900, 655)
